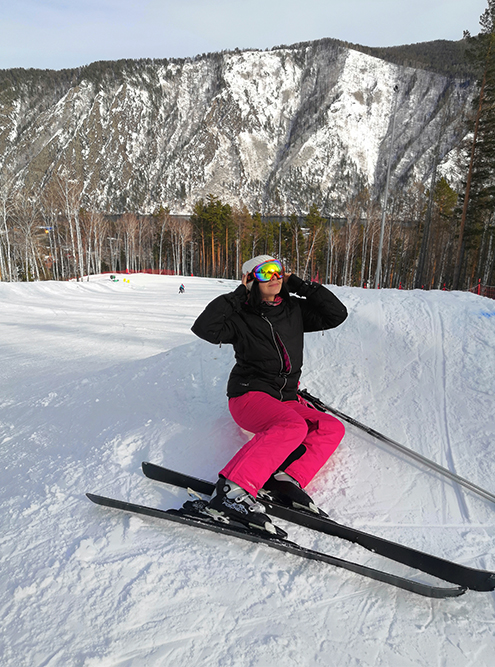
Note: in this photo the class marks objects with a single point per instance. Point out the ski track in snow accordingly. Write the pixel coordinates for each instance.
(99, 376)
(441, 399)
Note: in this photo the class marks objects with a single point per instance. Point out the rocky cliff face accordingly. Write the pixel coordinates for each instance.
(274, 130)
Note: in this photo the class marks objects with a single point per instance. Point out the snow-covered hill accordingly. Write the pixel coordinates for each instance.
(99, 376)
(276, 130)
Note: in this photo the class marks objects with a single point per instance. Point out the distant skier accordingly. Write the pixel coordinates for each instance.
(182, 289)
(292, 442)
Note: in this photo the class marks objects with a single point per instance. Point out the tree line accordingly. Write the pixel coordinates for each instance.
(52, 235)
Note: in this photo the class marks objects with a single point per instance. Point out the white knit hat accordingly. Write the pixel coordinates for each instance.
(248, 266)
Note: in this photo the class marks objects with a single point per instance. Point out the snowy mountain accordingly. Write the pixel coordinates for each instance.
(99, 376)
(275, 130)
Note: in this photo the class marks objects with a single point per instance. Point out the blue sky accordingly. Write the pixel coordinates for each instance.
(57, 34)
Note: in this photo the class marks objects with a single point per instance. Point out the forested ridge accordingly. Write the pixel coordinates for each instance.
(442, 56)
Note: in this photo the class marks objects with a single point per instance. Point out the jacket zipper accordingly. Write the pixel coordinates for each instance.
(282, 374)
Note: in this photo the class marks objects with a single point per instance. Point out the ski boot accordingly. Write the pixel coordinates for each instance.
(230, 503)
(284, 489)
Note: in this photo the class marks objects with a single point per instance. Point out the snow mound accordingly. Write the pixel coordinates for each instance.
(98, 376)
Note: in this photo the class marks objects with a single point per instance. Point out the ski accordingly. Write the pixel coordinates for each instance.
(467, 577)
(190, 515)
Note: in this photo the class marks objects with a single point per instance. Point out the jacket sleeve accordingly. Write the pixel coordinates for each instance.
(321, 309)
(215, 322)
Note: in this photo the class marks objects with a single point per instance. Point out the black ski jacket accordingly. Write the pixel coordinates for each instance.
(268, 343)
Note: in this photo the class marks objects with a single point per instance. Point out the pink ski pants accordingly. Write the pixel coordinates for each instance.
(279, 428)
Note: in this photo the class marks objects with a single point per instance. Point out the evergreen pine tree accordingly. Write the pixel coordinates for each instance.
(479, 199)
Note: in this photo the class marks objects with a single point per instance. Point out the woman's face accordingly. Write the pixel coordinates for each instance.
(270, 289)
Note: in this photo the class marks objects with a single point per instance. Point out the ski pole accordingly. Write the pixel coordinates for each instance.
(396, 445)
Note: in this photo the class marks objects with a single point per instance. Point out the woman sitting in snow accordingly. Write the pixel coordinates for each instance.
(292, 442)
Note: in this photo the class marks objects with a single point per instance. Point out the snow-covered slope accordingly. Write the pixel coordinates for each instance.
(276, 131)
(99, 376)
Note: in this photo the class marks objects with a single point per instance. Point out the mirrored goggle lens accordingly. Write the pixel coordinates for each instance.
(265, 272)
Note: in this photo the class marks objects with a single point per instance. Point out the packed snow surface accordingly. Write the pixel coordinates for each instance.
(99, 376)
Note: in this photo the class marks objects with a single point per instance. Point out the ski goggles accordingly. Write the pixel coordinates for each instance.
(265, 271)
